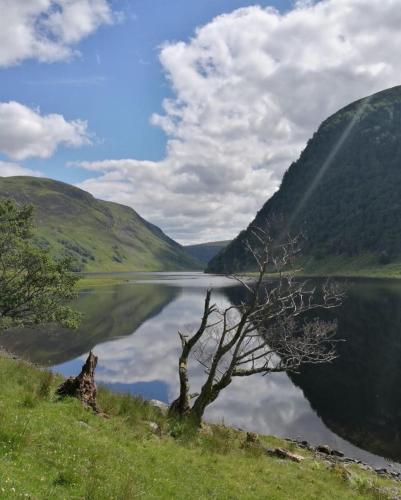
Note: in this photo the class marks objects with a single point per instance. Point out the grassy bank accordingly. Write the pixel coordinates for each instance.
(53, 449)
(99, 281)
(365, 266)
(362, 266)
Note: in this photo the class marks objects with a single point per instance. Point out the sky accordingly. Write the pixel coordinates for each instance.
(188, 111)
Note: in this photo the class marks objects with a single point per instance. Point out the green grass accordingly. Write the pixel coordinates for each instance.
(95, 282)
(363, 266)
(56, 449)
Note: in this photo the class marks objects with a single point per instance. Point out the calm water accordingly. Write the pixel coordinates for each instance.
(353, 404)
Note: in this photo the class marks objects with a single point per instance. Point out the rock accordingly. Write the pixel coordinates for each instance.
(285, 454)
(205, 429)
(154, 427)
(337, 453)
(163, 407)
(251, 438)
(323, 448)
(381, 470)
(81, 423)
(305, 445)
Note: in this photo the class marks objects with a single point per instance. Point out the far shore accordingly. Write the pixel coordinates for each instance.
(110, 279)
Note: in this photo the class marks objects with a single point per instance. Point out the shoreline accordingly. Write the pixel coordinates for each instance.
(139, 449)
(322, 451)
(104, 281)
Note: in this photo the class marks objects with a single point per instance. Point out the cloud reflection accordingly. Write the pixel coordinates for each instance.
(148, 359)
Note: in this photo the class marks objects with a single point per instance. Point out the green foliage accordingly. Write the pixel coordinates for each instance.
(33, 286)
(344, 191)
(95, 235)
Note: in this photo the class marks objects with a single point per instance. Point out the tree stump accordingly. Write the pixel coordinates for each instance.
(83, 386)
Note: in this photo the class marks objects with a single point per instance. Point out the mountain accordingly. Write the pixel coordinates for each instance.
(343, 193)
(206, 251)
(97, 235)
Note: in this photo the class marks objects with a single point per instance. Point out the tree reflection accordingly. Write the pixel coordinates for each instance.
(108, 313)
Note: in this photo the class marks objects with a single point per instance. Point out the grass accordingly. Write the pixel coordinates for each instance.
(362, 266)
(57, 449)
(95, 282)
(97, 235)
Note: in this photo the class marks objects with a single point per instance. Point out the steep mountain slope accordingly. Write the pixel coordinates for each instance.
(206, 251)
(344, 192)
(98, 235)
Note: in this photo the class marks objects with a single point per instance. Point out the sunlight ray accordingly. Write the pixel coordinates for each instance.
(330, 158)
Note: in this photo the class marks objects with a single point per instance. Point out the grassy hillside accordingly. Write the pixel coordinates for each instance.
(343, 193)
(56, 449)
(206, 251)
(98, 235)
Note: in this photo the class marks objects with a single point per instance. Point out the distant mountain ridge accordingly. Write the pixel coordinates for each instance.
(206, 251)
(98, 235)
(344, 192)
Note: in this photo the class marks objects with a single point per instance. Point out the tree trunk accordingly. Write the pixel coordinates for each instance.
(180, 406)
(206, 397)
(200, 405)
(83, 386)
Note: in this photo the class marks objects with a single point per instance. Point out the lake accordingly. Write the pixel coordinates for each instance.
(352, 404)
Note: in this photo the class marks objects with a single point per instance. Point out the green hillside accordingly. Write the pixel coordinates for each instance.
(206, 251)
(344, 194)
(98, 235)
(51, 449)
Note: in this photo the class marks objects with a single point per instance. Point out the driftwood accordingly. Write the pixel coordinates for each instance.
(83, 386)
(285, 454)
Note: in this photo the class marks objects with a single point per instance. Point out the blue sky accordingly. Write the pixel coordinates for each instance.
(188, 111)
(116, 83)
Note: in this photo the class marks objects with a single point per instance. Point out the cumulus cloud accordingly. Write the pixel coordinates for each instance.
(47, 30)
(249, 89)
(25, 132)
(8, 169)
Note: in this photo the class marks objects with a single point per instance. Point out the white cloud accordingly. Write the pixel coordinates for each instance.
(25, 132)
(8, 169)
(47, 30)
(250, 88)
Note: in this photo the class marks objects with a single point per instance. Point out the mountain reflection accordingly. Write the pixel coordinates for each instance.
(108, 313)
(359, 395)
(353, 404)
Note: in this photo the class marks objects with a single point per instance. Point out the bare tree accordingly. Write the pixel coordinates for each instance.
(266, 333)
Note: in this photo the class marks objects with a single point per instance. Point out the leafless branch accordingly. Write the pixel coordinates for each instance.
(266, 333)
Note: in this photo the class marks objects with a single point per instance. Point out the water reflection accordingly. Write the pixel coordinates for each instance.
(108, 313)
(359, 395)
(353, 404)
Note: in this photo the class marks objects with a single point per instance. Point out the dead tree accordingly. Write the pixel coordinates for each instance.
(264, 334)
(83, 386)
